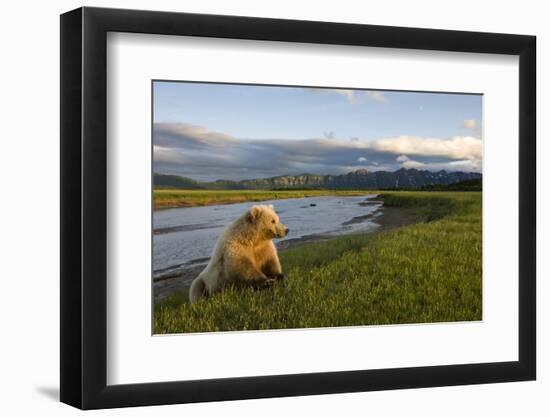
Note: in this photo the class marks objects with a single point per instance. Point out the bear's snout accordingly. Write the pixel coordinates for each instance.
(283, 232)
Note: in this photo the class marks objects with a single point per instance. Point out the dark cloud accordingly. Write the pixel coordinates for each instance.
(195, 152)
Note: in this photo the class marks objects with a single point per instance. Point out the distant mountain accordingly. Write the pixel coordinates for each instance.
(174, 181)
(361, 178)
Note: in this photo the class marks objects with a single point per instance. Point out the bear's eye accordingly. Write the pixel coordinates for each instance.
(273, 221)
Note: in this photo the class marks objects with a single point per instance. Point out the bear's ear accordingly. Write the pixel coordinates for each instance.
(254, 214)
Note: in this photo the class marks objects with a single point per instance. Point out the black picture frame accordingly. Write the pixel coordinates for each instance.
(84, 207)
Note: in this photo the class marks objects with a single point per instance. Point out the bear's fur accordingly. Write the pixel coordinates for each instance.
(244, 254)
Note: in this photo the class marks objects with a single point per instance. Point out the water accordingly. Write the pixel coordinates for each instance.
(184, 237)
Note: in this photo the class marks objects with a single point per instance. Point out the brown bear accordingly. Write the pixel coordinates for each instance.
(244, 254)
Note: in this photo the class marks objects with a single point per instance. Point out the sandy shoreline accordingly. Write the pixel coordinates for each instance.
(389, 218)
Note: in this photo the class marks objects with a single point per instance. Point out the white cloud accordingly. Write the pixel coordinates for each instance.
(407, 162)
(361, 159)
(376, 96)
(458, 147)
(164, 154)
(469, 124)
(413, 164)
(352, 96)
(463, 165)
(349, 95)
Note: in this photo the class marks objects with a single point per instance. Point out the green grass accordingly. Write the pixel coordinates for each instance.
(427, 272)
(169, 198)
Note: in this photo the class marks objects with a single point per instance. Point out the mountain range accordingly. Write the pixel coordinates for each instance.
(361, 178)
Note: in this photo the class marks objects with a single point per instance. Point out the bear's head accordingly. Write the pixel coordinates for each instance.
(266, 222)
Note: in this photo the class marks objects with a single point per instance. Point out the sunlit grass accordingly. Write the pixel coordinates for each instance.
(423, 273)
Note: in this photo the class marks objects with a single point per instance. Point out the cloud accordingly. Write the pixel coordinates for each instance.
(376, 96)
(348, 94)
(407, 162)
(469, 124)
(413, 164)
(352, 96)
(201, 154)
(458, 147)
(196, 152)
(170, 135)
(463, 165)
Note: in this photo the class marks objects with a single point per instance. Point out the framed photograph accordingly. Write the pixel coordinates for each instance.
(257, 208)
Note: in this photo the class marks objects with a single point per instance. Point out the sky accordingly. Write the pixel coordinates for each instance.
(210, 131)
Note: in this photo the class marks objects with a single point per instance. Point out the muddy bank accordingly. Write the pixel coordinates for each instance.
(393, 217)
(385, 218)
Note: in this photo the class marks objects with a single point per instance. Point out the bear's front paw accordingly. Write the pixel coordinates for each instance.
(262, 283)
(269, 282)
(280, 277)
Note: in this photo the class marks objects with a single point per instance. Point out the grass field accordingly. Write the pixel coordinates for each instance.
(427, 272)
(170, 198)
